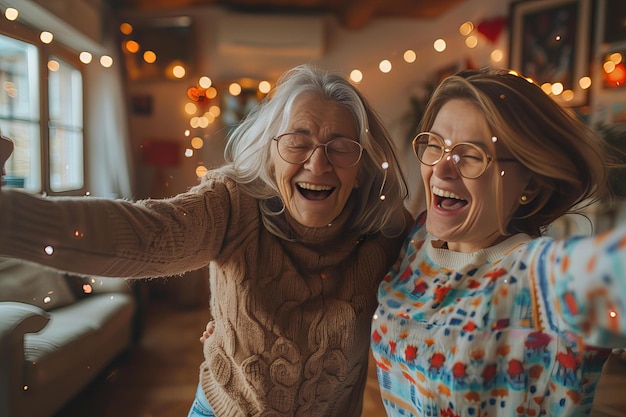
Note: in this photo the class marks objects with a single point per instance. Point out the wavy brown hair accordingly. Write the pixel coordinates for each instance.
(567, 158)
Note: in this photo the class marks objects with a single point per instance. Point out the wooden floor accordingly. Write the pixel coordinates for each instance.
(159, 376)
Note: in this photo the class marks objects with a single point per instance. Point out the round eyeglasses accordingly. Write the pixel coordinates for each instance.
(297, 148)
(470, 160)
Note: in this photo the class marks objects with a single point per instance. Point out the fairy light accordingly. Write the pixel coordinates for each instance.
(49, 250)
(584, 83)
(106, 61)
(205, 82)
(356, 76)
(46, 37)
(439, 45)
(409, 56)
(384, 66)
(11, 14)
(557, 88)
(471, 41)
(265, 87)
(179, 71)
(149, 57)
(234, 89)
(85, 57)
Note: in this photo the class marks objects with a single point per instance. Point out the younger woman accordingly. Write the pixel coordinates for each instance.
(483, 316)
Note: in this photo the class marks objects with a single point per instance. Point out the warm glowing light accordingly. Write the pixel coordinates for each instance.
(106, 61)
(150, 57)
(615, 57)
(191, 108)
(205, 82)
(87, 289)
(188, 153)
(466, 28)
(384, 66)
(132, 47)
(584, 82)
(194, 122)
(356, 76)
(49, 250)
(46, 37)
(47, 299)
(215, 110)
(201, 170)
(567, 95)
(126, 28)
(608, 67)
(210, 93)
(612, 314)
(409, 56)
(85, 57)
(557, 38)
(178, 71)
(11, 14)
(439, 45)
(209, 116)
(53, 65)
(203, 122)
(557, 88)
(497, 55)
(265, 87)
(546, 87)
(78, 233)
(197, 142)
(234, 89)
(187, 133)
(471, 41)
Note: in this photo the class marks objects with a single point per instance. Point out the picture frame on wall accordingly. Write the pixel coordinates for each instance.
(550, 43)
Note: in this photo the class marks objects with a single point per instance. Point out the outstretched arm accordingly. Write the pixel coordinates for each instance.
(581, 285)
(6, 149)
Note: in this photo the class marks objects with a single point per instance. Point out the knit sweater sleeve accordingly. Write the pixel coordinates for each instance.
(580, 284)
(147, 238)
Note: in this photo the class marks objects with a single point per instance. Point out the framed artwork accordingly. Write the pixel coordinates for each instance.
(614, 30)
(550, 43)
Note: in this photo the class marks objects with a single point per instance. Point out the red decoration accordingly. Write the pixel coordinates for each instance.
(492, 28)
(198, 95)
(617, 77)
(161, 153)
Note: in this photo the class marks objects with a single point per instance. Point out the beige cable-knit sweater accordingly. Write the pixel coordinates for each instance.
(292, 318)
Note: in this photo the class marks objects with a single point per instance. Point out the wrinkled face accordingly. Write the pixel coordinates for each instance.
(315, 192)
(464, 212)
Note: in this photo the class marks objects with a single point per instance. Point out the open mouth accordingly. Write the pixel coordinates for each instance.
(314, 192)
(447, 200)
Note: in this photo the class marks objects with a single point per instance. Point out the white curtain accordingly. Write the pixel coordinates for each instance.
(109, 158)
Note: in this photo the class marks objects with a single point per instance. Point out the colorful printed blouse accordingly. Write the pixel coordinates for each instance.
(504, 331)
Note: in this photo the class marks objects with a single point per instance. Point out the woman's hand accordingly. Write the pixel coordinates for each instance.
(6, 149)
(210, 328)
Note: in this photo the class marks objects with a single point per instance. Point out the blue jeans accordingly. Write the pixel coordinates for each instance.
(200, 406)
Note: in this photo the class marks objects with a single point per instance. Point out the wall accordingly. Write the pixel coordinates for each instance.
(344, 50)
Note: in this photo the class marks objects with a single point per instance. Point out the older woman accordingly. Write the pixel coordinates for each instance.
(298, 227)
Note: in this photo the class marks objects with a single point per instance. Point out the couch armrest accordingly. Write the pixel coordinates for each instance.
(17, 319)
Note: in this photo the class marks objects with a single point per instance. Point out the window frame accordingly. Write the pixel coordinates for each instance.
(45, 52)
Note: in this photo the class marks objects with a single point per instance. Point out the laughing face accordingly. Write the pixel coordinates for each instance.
(315, 192)
(465, 212)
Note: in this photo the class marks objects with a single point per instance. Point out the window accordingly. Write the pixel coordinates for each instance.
(49, 143)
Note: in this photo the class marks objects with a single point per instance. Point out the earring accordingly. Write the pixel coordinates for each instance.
(523, 199)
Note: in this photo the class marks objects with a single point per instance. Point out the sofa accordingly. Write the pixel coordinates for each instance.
(57, 333)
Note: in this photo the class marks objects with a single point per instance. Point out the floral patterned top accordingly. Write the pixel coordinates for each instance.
(518, 329)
